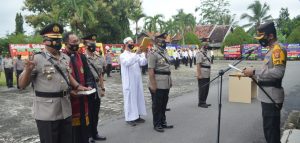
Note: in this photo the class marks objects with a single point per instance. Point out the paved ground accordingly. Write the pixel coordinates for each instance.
(241, 123)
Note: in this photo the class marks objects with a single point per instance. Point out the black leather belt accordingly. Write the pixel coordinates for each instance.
(51, 94)
(162, 72)
(276, 84)
(203, 66)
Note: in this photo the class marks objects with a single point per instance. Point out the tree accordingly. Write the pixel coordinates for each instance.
(191, 39)
(4, 46)
(185, 22)
(284, 23)
(238, 37)
(136, 15)
(294, 36)
(171, 27)
(212, 11)
(19, 24)
(108, 18)
(260, 15)
(228, 20)
(154, 24)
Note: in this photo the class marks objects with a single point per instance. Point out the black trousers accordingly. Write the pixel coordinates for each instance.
(176, 63)
(159, 104)
(94, 108)
(18, 74)
(271, 122)
(108, 69)
(59, 131)
(186, 61)
(9, 76)
(79, 134)
(144, 69)
(191, 62)
(194, 60)
(203, 91)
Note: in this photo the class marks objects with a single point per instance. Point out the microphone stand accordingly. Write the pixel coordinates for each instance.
(220, 75)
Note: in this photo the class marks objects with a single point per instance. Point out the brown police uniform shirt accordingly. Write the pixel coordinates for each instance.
(203, 58)
(157, 62)
(98, 64)
(273, 70)
(46, 78)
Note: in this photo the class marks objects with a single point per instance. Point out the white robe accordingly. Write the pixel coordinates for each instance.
(134, 102)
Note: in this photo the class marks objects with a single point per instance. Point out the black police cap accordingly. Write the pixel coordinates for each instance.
(53, 30)
(265, 29)
(90, 37)
(162, 36)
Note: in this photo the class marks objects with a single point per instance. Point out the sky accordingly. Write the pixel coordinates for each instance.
(153, 7)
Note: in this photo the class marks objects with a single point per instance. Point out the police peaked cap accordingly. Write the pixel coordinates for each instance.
(265, 29)
(53, 30)
(162, 36)
(92, 37)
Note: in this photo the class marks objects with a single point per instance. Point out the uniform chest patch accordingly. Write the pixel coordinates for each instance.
(161, 61)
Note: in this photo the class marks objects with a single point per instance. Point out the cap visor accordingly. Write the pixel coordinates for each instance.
(259, 37)
(53, 35)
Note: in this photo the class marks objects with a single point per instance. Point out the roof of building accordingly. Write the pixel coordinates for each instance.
(215, 33)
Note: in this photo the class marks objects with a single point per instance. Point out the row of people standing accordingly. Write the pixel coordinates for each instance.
(62, 114)
(187, 57)
(10, 66)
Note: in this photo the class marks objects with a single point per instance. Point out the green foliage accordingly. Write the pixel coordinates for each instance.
(171, 27)
(18, 39)
(294, 36)
(186, 23)
(238, 37)
(154, 24)
(284, 23)
(4, 46)
(109, 19)
(19, 24)
(136, 15)
(213, 11)
(191, 39)
(281, 38)
(260, 15)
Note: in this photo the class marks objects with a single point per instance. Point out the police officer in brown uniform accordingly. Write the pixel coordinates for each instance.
(95, 64)
(159, 82)
(203, 61)
(19, 67)
(49, 73)
(270, 78)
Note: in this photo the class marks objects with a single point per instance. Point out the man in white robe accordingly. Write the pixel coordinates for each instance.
(134, 102)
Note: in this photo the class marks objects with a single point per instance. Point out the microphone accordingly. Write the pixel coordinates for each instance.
(251, 50)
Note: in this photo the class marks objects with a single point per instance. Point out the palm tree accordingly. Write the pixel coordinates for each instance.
(154, 24)
(136, 15)
(171, 27)
(228, 20)
(260, 15)
(186, 22)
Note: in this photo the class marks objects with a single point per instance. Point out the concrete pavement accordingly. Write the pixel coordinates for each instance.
(240, 122)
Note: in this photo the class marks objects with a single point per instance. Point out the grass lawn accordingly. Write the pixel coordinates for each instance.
(3, 81)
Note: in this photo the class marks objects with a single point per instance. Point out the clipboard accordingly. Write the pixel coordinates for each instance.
(145, 43)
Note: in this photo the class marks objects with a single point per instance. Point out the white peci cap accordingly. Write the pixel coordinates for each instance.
(127, 39)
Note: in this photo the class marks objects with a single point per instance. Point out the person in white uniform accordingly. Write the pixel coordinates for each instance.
(134, 102)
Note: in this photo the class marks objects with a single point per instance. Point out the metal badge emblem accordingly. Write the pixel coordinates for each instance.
(49, 76)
